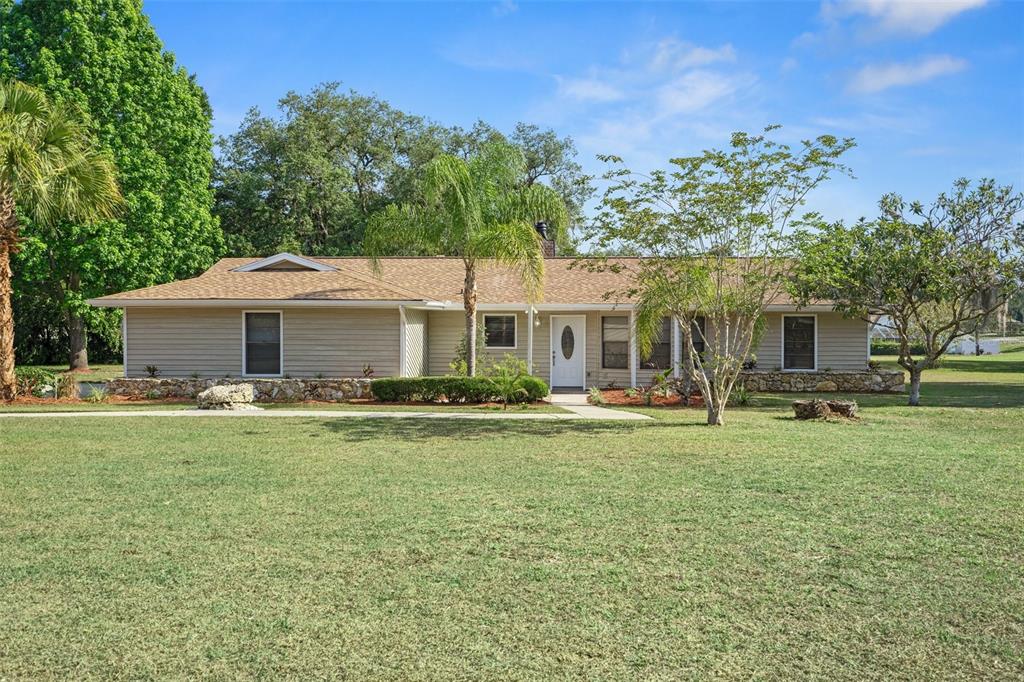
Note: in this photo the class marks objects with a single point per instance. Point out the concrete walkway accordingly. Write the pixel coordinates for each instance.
(588, 412)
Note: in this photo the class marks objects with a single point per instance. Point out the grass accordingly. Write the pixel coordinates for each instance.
(414, 549)
(141, 406)
(99, 373)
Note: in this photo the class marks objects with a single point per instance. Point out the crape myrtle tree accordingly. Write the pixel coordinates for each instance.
(103, 58)
(50, 172)
(477, 210)
(717, 233)
(933, 273)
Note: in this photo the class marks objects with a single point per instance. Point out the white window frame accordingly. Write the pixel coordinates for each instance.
(782, 346)
(515, 331)
(280, 316)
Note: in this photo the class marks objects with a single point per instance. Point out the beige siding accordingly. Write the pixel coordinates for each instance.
(180, 341)
(445, 330)
(842, 343)
(416, 342)
(338, 342)
(327, 341)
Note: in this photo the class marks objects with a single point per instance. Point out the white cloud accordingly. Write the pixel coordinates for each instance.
(674, 55)
(505, 7)
(877, 77)
(789, 64)
(588, 89)
(694, 91)
(915, 17)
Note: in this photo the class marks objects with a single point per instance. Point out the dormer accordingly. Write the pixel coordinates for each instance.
(285, 262)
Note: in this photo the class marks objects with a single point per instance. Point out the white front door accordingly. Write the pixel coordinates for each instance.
(568, 344)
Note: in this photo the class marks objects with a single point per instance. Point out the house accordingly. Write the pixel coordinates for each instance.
(302, 317)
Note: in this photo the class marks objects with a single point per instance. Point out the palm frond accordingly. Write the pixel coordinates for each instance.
(48, 162)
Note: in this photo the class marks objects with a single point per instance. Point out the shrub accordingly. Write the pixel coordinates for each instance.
(33, 381)
(508, 384)
(453, 389)
(741, 395)
(98, 395)
(152, 371)
(595, 396)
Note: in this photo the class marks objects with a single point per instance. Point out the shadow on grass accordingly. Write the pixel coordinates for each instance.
(359, 430)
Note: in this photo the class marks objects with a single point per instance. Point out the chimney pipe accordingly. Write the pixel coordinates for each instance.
(547, 243)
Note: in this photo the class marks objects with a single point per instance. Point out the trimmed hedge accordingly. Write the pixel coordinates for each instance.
(450, 389)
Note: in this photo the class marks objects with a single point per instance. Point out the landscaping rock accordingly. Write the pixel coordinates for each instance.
(232, 397)
(834, 381)
(843, 408)
(823, 409)
(811, 409)
(266, 390)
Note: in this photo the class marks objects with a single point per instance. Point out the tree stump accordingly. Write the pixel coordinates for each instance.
(844, 408)
(811, 409)
(823, 409)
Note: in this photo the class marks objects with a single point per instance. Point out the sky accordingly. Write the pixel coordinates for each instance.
(931, 91)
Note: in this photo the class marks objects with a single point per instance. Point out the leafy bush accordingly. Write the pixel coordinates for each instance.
(152, 371)
(507, 380)
(595, 396)
(459, 364)
(453, 389)
(33, 380)
(741, 395)
(98, 395)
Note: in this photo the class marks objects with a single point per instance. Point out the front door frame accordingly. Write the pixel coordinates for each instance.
(581, 344)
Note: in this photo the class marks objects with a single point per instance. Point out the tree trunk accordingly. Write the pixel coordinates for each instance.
(78, 360)
(716, 413)
(469, 303)
(8, 237)
(915, 387)
(78, 354)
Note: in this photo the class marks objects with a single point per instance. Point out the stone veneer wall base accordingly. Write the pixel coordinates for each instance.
(266, 390)
(867, 381)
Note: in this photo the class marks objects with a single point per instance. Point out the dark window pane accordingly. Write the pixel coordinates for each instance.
(661, 352)
(699, 330)
(798, 342)
(262, 343)
(615, 342)
(568, 342)
(500, 331)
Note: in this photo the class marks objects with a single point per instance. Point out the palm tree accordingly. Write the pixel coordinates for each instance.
(49, 171)
(477, 210)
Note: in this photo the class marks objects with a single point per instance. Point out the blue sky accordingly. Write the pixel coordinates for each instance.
(930, 90)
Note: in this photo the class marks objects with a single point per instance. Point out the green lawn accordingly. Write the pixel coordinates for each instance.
(98, 373)
(880, 549)
(87, 406)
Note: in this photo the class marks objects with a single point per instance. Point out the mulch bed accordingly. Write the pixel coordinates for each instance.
(617, 396)
(32, 400)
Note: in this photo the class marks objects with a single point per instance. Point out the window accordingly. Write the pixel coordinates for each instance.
(615, 342)
(661, 352)
(698, 331)
(262, 344)
(798, 339)
(500, 331)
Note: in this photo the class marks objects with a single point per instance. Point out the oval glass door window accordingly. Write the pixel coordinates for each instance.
(568, 342)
